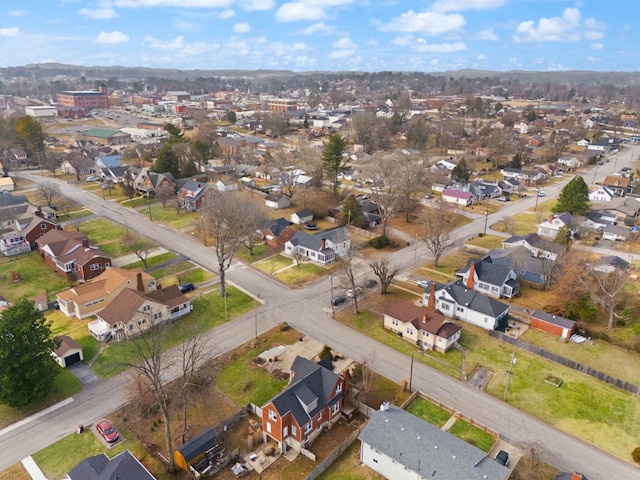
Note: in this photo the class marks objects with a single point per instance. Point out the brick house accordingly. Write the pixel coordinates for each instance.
(312, 401)
(71, 254)
(553, 324)
(31, 227)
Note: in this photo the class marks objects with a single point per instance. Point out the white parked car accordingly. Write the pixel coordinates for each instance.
(92, 178)
(423, 283)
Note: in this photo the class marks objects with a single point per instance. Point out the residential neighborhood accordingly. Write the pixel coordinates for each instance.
(271, 278)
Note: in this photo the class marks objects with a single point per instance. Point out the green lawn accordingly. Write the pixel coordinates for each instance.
(473, 435)
(208, 312)
(259, 252)
(169, 216)
(347, 467)
(274, 263)
(188, 271)
(36, 277)
(428, 411)
(153, 261)
(100, 230)
(56, 460)
(298, 277)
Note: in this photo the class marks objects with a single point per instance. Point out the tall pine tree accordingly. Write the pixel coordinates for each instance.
(332, 158)
(574, 198)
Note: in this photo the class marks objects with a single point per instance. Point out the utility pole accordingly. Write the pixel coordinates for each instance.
(415, 252)
(411, 373)
(255, 317)
(513, 362)
(486, 218)
(149, 207)
(333, 310)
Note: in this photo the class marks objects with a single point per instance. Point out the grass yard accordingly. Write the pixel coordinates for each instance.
(134, 202)
(36, 277)
(152, 261)
(348, 467)
(428, 411)
(208, 312)
(298, 277)
(487, 241)
(101, 230)
(66, 384)
(188, 273)
(57, 459)
(273, 263)
(15, 472)
(473, 435)
(259, 252)
(168, 216)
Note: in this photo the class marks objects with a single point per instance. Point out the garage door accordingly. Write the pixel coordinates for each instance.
(71, 359)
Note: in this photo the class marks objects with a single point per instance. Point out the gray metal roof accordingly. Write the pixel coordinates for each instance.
(487, 272)
(475, 301)
(427, 450)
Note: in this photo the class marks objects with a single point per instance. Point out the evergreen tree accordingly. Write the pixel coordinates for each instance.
(176, 135)
(332, 158)
(27, 369)
(574, 198)
(190, 170)
(461, 171)
(167, 161)
(231, 116)
(351, 211)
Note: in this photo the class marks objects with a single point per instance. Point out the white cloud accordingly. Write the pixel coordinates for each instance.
(402, 40)
(293, 12)
(488, 34)
(226, 14)
(338, 54)
(422, 46)
(318, 28)
(344, 42)
(18, 13)
(173, 3)
(9, 32)
(481, 57)
(593, 59)
(242, 27)
(175, 44)
(461, 5)
(307, 10)
(252, 5)
(425, 23)
(569, 28)
(103, 13)
(597, 46)
(112, 37)
(373, 42)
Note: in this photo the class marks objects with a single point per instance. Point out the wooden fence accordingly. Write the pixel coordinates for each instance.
(326, 463)
(541, 352)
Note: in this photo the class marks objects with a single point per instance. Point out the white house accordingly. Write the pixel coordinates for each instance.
(277, 201)
(459, 197)
(320, 248)
(552, 226)
(398, 445)
(570, 162)
(226, 185)
(457, 301)
(602, 194)
(302, 216)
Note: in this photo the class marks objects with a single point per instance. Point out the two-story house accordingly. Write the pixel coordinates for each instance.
(133, 312)
(313, 400)
(486, 277)
(320, 248)
(192, 195)
(556, 221)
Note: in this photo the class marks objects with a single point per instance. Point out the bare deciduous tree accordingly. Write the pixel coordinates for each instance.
(438, 225)
(605, 289)
(49, 191)
(346, 263)
(224, 219)
(384, 270)
(191, 354)
(141, 246)
(385, 190)
(164, 193)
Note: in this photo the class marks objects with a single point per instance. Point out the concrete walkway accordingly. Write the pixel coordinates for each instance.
(32, 469)
(132, 257)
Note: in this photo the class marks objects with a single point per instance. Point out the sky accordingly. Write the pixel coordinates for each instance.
(325, 35)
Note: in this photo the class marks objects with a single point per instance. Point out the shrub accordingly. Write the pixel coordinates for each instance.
(635, 455)
(379, 242)
(326, 352)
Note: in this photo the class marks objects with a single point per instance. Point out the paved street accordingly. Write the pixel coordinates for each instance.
(310, 316)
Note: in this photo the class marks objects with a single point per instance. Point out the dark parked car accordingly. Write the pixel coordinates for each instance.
(502, 458)
(186, 287)
(108, 432)
(338, 300)
(370, 283)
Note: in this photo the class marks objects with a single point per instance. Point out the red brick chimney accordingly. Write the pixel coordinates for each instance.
(431, 301)
(551, 218)
(576, 476)
(472, 271)
(139, 284)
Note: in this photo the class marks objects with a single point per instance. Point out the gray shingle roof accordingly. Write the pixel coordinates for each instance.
(487, 272)
(123, 466)
(425, 449)
(310, 381)
(553, 319)
(474, 300)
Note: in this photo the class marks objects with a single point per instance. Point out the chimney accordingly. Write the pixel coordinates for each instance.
(576, 476)
(38, 212)
(424, 317)
(431, 301)
(384, 406)
(323, 244)
(472, 271)
(551, 218)
(139, 284)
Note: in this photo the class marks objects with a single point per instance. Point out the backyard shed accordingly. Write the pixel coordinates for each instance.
(195, 449)
(554, 324)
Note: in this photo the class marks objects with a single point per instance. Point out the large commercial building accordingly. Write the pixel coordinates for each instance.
(84, 98)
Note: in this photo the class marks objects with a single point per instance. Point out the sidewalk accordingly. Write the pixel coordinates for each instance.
(32, 469)
(132, 257)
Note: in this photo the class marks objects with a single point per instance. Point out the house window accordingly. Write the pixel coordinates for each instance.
(459, 308)
(320, 417)
(394, 321)
(483, 286)
(445, 306)
(272, 416)
(146, 308)
(339, 388)
(294, 431)
(335, 408)
(94, 267)
(494, 289)
(425, 334)
(107, 265)
(307, 427)
(43, 226)
(409, 331)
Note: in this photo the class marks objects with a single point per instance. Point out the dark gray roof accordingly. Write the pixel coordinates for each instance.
(310, 381)
(487, 272)
(553, 319)
(197, 445)
(276, 226)
(314, 242)
(7, 199)
(527, 267)
(537, 241)
(304, 213)
(428, 450)
(614, 261)
(123, 466)
(474, 300)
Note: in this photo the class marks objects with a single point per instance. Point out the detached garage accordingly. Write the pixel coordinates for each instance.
(69, 352)
(556, 325)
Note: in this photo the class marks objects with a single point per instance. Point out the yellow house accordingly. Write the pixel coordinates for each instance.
(89, 298)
